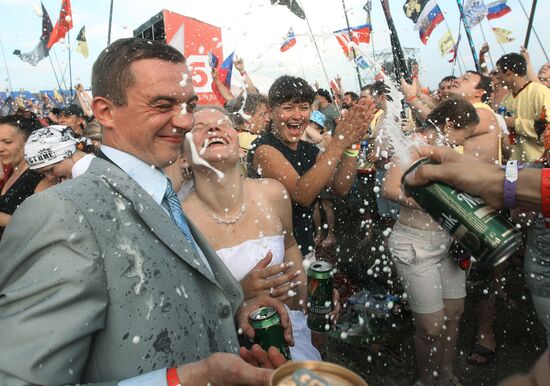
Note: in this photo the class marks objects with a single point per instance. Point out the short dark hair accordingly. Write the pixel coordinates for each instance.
(25, 124)
(290, 89)
(324, 93)
(513, 62)
(111, 75)
(456, 110)
(253, 102)
(485, 83)
(448, 78)
(354, 97)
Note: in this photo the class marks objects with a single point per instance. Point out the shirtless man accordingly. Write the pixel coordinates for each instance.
(483, 140)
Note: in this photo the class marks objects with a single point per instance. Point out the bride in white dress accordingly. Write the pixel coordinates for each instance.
(248, 222)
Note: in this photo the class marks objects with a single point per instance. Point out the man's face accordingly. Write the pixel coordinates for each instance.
(74, 121)
(455, 136)
(544, 75)
(443, 89)
(465, 87)
(347, 102)
(59, 171)
(505, 77)
(152, 124)
(259, 120)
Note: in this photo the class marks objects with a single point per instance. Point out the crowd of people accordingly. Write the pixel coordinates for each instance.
(140, 229)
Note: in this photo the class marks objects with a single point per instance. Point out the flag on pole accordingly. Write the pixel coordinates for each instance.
(413, 9)
(454, 50)
(430, 18)
(63, 24)
(503, 35)
(82, 45)
(345, 43)
(446, 43)
(368, 7)
(292, 5)
(474, 12)
(359, 34)
(497, 9)
(334, 87)
(40, 51)
(225, 72)
(362, 62)
(289, 42)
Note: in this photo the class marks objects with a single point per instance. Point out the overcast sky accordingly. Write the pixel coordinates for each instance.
(255, 30)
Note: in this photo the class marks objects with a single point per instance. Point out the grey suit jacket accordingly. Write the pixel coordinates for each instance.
(98, 284)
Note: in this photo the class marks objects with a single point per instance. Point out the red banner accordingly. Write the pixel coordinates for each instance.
(195, 39)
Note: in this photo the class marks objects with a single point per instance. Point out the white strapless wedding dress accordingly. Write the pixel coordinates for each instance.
(240, 260)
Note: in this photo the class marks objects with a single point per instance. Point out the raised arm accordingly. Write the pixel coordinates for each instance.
(239, 65)
(305, 189)
(222, 88)
(531, 74)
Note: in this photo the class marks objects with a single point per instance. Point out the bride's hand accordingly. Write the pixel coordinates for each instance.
(278, 281)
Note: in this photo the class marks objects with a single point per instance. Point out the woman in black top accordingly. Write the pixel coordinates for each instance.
(299, 165)
(22, 182)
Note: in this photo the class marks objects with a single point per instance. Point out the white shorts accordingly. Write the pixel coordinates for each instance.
(425, 268)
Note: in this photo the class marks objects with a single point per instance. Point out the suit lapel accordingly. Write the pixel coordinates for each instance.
(152, 214)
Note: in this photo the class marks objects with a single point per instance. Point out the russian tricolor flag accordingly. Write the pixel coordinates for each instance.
(497, 9)
(290, 40)
(225, 72)
(430, 18)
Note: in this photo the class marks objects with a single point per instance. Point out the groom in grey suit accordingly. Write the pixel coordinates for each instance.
(100, 280)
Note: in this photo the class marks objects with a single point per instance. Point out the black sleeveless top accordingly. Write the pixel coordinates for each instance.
(302, 159)
(22, 188)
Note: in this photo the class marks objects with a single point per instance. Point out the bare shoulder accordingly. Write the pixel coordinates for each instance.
(270, 189)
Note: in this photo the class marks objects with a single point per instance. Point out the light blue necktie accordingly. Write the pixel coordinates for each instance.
(172, 203)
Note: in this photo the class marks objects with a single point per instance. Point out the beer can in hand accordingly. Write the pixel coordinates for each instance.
(477, 227)
(268, 330)
(319, 295)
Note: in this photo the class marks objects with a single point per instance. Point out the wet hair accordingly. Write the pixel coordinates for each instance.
(458, 111)
(513, 62)
(253, 102)
(325, 94)
(354, 97)
(376, 89)
(485, 83)
(290, 89)
(445, 79)
(25, 124)
(111, 73)
(217, 108)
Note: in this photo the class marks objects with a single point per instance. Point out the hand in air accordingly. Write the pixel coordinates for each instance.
(353, 127)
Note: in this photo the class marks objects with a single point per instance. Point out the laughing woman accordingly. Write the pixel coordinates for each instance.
(300, 166)
(248, 222)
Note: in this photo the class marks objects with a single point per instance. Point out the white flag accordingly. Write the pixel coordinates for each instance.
(474, 12)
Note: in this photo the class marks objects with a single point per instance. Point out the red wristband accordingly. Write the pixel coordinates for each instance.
(412, 98)
(545, 195)
(172, 377)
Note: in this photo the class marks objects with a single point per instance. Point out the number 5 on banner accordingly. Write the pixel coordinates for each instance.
(200, 72)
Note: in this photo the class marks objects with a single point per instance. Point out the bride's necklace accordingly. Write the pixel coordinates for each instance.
(224, 221)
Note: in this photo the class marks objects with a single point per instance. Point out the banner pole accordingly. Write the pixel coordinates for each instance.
(352, 48)
(530, 25)
(535, 32)
(401, 68)
(469, 35)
